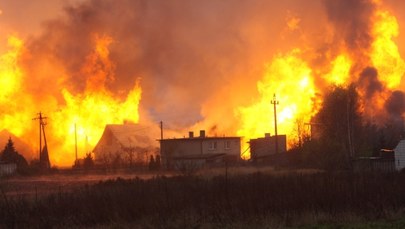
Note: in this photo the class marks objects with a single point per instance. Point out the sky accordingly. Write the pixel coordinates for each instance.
(211, 64)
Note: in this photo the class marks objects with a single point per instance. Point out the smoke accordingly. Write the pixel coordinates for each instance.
(188, 54)
(352, 22)
(395, 104)
(369, 83)
(198, 61)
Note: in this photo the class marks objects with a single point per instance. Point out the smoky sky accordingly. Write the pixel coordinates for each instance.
(369, 82)
(193, 54)
(185, 52)
(351, 19)
(395, 104)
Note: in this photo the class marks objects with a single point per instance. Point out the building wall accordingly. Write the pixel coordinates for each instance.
(400, 155)
(171, 148)
(7, 169)
(109, 148)
(262, 147)
(223, 145)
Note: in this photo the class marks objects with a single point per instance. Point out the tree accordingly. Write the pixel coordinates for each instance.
(10, 155)
(339, 123)
(88, 161)
(152, 163)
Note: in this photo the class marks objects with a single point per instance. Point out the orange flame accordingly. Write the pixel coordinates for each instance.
(90, 110)
(290, 78)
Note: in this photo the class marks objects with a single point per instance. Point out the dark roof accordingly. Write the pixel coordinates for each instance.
(199, 156)
(199, 138)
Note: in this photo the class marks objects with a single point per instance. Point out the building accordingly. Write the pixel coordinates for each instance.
(263, 148)
(124, 144)
(199, 151)
(20, 145)
(7, 168)
(400, 155)
(384, 162)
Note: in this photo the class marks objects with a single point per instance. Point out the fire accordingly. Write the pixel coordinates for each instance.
(10, 73)
(290, 78)
(11, 77)
(296, 77)
(385, 55)
(89, 110)
(340, 71)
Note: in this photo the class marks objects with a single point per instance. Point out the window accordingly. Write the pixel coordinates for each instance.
(213, 146)
(227, 144)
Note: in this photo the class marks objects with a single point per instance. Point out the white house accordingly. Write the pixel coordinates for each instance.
(199, 151)
(400, 155)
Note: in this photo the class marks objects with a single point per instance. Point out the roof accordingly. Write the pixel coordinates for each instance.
(269, 138)
(21, 146)
(199, 156)
(128, 135)
(200, 138)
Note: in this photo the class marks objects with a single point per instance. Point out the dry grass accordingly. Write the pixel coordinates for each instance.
(244, 198)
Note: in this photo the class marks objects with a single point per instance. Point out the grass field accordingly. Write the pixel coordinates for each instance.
(219, 198)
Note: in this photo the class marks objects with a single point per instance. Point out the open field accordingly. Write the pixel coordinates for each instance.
(64, 180)
(68, 180)
(224, 198)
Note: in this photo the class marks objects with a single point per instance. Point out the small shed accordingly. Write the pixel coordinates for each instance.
(400, 155)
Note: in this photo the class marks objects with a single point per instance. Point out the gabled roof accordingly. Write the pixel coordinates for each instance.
(21, 146)
(127, 135)
(198, 139)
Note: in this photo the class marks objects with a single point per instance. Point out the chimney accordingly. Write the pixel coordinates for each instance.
(191, 134)
(202, 133)
(267, 135)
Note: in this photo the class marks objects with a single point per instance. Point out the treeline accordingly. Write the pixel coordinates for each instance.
(255, 200)
(346, 127)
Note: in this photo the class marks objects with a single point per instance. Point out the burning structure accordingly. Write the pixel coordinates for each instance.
(262, 148)
(97, 58)
(199, 151)
(124, 144)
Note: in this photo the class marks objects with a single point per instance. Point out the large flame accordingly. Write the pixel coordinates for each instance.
(292, 80)
(87, 112)
(385, 54)
(298, 77)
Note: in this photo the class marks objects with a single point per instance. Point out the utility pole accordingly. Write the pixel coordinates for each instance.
(275, 102)
(43, 153)
(76, 145)
(41, 119)
(161, 130)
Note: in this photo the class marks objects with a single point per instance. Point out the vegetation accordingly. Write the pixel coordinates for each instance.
(341, 132)
(242, 201)
(10, 155)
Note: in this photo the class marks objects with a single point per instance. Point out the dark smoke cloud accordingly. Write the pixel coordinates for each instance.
(369, 82)
(352, 24)
(186, 52)
(395, 104)
(352, 21)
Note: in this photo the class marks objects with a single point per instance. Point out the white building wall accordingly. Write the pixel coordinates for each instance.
(226, 146)
(400, 155)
